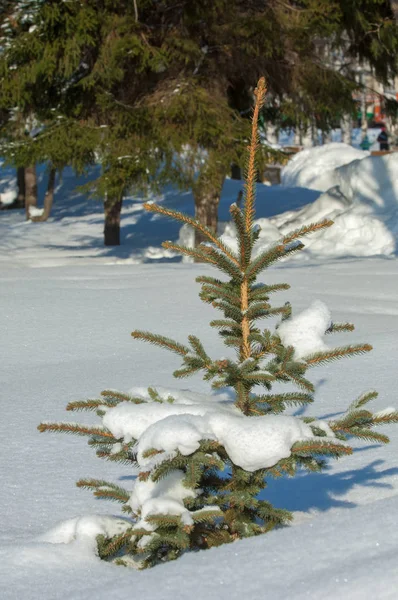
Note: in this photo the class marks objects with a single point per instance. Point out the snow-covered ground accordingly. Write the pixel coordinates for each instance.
(66, 336)
(67, 306)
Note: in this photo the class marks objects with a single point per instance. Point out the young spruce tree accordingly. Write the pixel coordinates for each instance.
(202, 465)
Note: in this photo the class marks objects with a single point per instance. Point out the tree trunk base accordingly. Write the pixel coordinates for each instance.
(112, 208)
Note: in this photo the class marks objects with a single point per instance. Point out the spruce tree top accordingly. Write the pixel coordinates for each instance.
(262, 358)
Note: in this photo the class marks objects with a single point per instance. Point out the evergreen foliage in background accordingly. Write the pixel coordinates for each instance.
(160, 91)
(222, 500)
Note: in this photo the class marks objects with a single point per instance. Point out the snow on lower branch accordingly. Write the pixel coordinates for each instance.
(163, 430)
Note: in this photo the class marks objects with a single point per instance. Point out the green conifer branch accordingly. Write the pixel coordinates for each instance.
(385, 419)
(91, 405)
(211, 293)
(300, 381)
(178, 216)
(197, 347)
(244, 235)
(306, 230)
(77, 429)
(205, 279)
(206, 515)
(109, 547)
(285, 398)
(337, 327)
(258, 291)
(319, 358)
(319, 447)
(365, 434)
(268, 257)
(195, 253)
(363, 399)
(185, 372)
(104, 490)
(160, 340)
(124, 457)
(229, 323)
(122, 397)
(223, 262)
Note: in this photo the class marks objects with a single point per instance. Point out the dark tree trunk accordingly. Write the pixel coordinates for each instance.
(207, 195)
(48, 198)
(30, 189)
(112, 208)
(20, 202)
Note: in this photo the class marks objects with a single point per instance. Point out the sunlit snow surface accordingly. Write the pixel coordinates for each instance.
(67, 306)
(66, 336)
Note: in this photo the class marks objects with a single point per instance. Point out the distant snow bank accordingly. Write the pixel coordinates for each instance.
(359, 194)
(362, 200)
(315, 168)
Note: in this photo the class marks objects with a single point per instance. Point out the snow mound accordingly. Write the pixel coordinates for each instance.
(315, 168)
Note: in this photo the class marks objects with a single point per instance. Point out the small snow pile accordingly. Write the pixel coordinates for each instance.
(306, 330)
(35, 212)
(315, 168)
(165, 497)
(83, 531)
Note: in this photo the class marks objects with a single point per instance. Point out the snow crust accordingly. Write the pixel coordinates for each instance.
(305, 331)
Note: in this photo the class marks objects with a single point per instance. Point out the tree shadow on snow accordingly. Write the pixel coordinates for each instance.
(322, 491)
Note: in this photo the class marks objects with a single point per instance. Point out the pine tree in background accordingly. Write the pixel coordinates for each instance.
(203, 464)
(160, 92)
